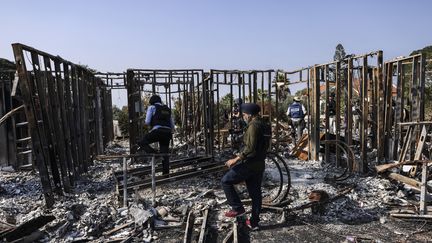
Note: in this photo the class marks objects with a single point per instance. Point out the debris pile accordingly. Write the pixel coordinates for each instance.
(93, 211)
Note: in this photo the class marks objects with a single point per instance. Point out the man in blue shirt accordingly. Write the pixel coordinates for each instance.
(159, 118)
(296, 113)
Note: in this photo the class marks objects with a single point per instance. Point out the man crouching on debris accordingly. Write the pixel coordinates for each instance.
(248, 166)
(159, 118)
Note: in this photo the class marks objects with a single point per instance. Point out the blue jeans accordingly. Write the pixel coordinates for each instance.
(237, 174)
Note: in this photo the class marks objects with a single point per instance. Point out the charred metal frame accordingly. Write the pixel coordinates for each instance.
(62, 102)
(113, 80)
(110, 81)
(15, 140)
(182, 85)
(8, 136)
(301, 76)
(408, 74)
(239, 84)
(69, 114)
(370, 84)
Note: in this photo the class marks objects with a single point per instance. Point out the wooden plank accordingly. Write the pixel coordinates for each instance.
(422, 79)
(388, 118)
(349, 113)
(407, 142)
(99, 118)
(77, 118)
(423, 190)
(27, 89)
(398, 112)
(338, 112)
(373, 91)
(421, 143)
(411, 216)
(55, 121)
(235, 232)
(120, 227)
(315, 115)
(327, 116)
(133, 126)
(395, 164)
(82, 88)
(189, 227)
(414, 104)
(27, 228)
(203, 231)
(364, 125)
(408, 181)
(419, 150)
(70, 121)
(380, 83)
(63, 117)
(46, 126)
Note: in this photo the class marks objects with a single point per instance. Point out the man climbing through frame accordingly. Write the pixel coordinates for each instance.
(296, 113)
(159, 117)
(248, 165)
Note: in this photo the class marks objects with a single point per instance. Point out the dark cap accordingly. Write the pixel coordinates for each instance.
(250, 108)
(155, 99)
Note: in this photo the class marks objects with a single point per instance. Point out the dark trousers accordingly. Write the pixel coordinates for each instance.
(163, 136)
(297, 127)
(237, 174)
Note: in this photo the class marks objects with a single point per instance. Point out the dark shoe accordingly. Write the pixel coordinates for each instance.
(233, 213)
(134, 148)
(252, 227)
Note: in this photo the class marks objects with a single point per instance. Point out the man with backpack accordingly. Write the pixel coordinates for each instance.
(248, 165)
(296, 113)
(159, 118)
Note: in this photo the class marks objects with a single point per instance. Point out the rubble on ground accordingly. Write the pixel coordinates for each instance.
(93, 212)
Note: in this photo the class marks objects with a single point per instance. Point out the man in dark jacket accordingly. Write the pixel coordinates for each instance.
(159, 118)
(332, 113)
(248, 166)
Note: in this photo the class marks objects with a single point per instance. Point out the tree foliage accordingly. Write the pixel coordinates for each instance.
(339, 53)
(123, 120)
(116, 112)
(6, 64)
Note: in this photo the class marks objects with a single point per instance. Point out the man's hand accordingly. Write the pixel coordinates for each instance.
(230, 163)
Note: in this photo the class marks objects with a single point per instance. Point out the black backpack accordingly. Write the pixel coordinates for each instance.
(162, 116)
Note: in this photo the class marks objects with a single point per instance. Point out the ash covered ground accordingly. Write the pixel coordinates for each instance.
(93, 209)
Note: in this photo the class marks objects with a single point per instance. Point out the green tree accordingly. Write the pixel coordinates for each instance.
(116, 112)
(339, 53)
(6, 64)
(123, 120)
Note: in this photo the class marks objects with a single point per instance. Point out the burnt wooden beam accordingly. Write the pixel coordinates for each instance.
(27, 228)
(27, 89)
(55, 126)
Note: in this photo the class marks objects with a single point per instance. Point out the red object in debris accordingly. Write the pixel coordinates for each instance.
(252, 227)
(233, 213)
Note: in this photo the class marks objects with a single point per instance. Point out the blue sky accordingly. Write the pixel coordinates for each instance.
(116, 35)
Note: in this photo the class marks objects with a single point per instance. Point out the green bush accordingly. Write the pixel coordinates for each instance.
(123, 119)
